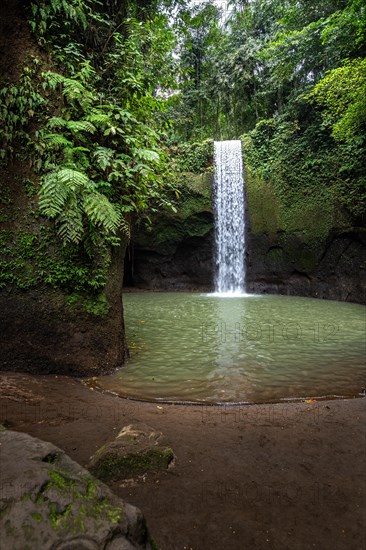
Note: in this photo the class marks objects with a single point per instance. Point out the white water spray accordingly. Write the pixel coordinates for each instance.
(229, 212)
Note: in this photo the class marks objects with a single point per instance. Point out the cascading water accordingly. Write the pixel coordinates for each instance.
(229, 212)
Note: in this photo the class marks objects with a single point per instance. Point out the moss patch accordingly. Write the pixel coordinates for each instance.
(309, 214)
(193, 216)
(81, 503)
(262, 205)
(113, 465)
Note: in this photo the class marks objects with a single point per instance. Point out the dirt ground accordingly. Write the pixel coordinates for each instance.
(284, 476)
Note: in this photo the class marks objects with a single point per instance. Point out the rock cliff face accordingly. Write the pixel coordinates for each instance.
(178, 253)
(188, 266)
(43, 332)
(61, 311)
(284, 264)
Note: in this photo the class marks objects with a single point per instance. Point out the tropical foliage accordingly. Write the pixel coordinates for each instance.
(98, 147)
(290, 78)
(121, 93)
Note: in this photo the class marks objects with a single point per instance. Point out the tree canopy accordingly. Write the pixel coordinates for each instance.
(289, 77)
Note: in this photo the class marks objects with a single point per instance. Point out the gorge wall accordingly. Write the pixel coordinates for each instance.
(307, 250)
(61, 311)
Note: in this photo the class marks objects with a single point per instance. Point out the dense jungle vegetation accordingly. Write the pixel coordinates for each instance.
(117, 96)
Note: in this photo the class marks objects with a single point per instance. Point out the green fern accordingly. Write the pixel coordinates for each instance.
(103, 157)
(100, 120)
(102, 212)
(57, 141)
(57, 187)
(147, 154)
(68, 196)
(77, 126)
(56, 122)
(70, 222)
(73, 90)
(53, 194)
(123, 224)
(77, 157)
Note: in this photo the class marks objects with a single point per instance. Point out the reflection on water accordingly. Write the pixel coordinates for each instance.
(194, 347)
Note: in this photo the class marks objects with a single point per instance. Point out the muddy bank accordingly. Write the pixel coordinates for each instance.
(269, 476)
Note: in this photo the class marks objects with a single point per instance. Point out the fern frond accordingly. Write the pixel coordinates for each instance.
(57, 141)
(57, 122)
(53, 79)
(147, 154)
(102, 212)
(103, 157)
(80, 150)
(74, 179)
(80, 15)
(75, 91)
(70, 222)
(54, 193)
(56, 6)
(78, 158)
(125, 228)
(58, 186)
(100, 120)
(86, 72)
(77, 126)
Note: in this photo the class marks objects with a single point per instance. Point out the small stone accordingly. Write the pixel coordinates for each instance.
(136, 450)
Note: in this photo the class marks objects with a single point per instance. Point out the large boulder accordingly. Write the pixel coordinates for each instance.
(136, 450)
(49, 501)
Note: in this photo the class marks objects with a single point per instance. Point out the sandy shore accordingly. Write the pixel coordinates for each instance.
(284, 476)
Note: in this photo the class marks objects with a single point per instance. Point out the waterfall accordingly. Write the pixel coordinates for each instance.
(229, 212)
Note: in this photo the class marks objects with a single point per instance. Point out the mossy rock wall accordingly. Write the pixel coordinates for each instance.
(175, 252)
(61, 311)
(302, 244)
(298, 243)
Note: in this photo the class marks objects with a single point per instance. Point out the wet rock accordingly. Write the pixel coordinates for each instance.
(285, 264)
(136, 450)
(49, 501)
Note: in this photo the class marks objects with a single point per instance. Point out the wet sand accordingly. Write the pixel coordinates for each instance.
(283, 476)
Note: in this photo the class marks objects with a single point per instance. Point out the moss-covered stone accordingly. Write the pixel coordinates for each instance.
(55, 294)
(262, 206)
(48, 503)
(137, 449)
(111, 465)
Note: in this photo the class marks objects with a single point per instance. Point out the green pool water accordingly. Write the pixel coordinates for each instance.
(204, 348)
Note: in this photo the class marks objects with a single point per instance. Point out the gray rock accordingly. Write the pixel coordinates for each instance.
(49, 501)
(137, 449)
